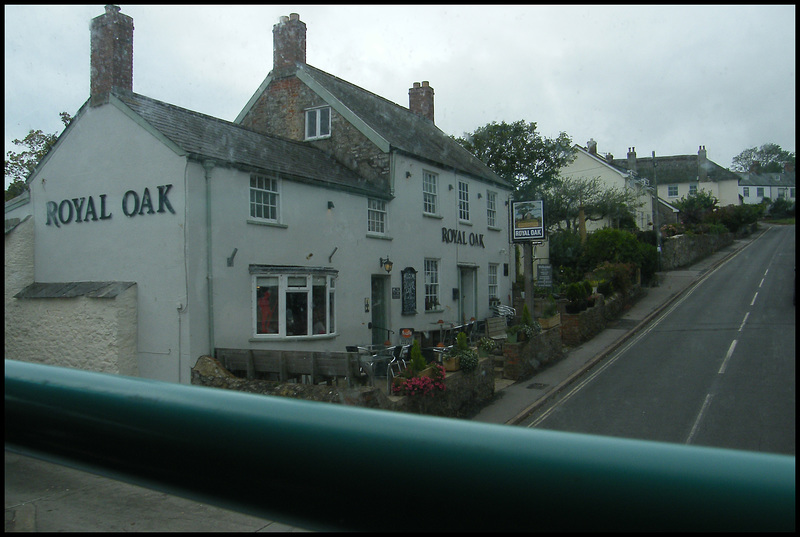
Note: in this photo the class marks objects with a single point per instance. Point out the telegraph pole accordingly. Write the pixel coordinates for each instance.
(655, 215)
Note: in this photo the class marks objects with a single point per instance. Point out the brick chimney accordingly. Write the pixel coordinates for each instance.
(111, 54)
(591, 146)
(702, 164)
(289, 43)
(420, 100)
(632, 159)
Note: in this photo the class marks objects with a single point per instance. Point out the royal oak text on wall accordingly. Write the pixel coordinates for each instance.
(461, 237)
(85, 209)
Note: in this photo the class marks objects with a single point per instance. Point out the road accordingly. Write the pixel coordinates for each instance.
(717, 368)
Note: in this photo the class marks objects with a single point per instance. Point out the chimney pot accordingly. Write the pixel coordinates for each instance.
(420, 100)
(289, 43)
(111, 54)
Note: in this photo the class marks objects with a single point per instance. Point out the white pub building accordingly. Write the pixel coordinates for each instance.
(323, 216)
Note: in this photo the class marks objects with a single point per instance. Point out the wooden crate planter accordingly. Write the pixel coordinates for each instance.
(550, 322)
(452, 364)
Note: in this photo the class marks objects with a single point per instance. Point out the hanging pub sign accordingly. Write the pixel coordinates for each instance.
(528, 220)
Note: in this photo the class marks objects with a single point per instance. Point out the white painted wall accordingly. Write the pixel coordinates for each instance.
(106, 153)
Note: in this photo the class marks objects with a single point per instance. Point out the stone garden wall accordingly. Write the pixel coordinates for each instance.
(683, 250)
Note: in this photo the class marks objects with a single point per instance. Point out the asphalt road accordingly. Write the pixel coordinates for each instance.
(717, 368)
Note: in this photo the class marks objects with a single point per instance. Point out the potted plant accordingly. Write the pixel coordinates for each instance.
(462, 355)
(486, 345)
(550, 315)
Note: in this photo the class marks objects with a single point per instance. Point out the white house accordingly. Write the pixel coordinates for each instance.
(589, 165)
(754, 187)
(165, 234)
(680, 176)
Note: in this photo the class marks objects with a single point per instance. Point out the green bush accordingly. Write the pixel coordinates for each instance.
(565, 248)
(418, 362)
(621, 275)
(612, 245)
(605, 287)
(781, 208)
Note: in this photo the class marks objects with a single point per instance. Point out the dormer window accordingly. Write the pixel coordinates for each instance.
(318, 123)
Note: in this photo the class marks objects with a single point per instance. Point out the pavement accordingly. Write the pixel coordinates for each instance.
(41, 496)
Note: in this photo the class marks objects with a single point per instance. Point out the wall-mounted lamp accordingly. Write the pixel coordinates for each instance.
(479, 195)
(408, 174)
(386, 264)
(330, 205)
(449, 187)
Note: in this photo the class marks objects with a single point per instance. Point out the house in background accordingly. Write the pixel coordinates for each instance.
(755, 187)
(589, 165)
(159, 234)
(681, 176)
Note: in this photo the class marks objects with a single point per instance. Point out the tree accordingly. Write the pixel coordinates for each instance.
(769, 158)
(693, 209)
(20, 165)
(519, 154)
(563, 199)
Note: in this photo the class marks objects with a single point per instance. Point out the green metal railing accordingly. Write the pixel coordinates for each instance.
(325, 466)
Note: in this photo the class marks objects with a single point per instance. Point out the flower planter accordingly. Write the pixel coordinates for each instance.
(452, 364)
(550, 322)
(427, 372)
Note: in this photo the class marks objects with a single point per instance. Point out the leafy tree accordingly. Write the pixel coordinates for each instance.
(695, 207)
(20, 165)
(563, 199)
(769, 158)
(519, 154)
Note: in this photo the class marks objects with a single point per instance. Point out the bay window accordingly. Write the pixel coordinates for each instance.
(293, 302)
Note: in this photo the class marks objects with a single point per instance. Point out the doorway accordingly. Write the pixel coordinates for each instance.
(380, 309)
(468, 293)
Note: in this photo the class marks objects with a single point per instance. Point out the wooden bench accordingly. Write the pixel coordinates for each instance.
(496, 328)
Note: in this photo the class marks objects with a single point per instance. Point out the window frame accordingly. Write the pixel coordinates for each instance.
(672, 191)
(257, 190)
(287, 281)
(463, 201)
(491, 208)
(430, 197)
(316, 112)
(692, 190)
(432, 285)
(746, 191)
(759, 191)
(381, 209)
(493, 281)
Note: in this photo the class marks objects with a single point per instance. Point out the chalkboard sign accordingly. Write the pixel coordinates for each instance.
(409, 280)
(544, 275)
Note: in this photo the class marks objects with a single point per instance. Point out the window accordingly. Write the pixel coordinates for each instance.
(376, 216)
(672, 191)
(492, 281)
(318, 123)
(491, 208)
(760, 191)
(746, 191)
(292, 305)
(781, 193)
(791, 192)
(264, 197)
(463, 201)
(431, 284)
(430, 189)
(692, 190)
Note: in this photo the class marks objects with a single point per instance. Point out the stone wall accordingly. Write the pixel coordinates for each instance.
(93, 334)
(682, 250)
(521, 360)
(464, 394)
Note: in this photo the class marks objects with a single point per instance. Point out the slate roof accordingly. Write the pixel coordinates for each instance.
(677, 169)
(74, 289)
(406, 131)
(785, 179)
(206, 137)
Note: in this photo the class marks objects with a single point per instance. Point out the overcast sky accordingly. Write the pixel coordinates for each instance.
(658, 78)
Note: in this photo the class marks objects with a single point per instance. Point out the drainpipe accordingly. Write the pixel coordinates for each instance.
(208, 165)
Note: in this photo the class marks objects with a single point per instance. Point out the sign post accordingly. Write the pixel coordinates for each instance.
(527, 228)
